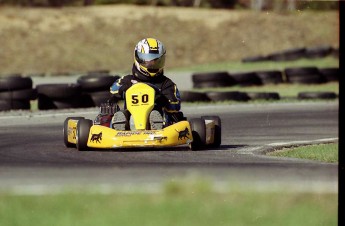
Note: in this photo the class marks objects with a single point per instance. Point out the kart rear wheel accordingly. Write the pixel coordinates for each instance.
(65, 131)
(198, 132)
(83, 130)
(217, 130)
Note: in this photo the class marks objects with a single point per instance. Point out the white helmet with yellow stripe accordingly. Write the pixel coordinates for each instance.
(149, 57)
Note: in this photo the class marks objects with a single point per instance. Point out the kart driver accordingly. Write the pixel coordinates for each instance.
(149, 61)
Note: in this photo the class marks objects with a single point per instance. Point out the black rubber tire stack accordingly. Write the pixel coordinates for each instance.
(59, 96)
(228, 95)
(254, 59)
(212, 79)
(263, 95)
(304, 75)
(95, 88)
(288, 55)
(191, 96)
(317, 95)
(319, 51)
(331, 74)
(246, 78)
(270, 76)
(16, 92)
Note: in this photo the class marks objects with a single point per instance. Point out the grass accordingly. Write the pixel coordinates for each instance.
(321, 152)
(195, 207)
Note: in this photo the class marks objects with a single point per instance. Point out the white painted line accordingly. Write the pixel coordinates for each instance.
(291, 143)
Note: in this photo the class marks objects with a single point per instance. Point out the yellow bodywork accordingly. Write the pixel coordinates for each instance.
(107, 138)
(72, 131)
(103, 137)
(140, 101)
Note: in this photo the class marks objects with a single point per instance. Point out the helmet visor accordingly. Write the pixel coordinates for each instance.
(150, 61)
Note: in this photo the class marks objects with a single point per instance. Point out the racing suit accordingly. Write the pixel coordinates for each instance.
(168, 100)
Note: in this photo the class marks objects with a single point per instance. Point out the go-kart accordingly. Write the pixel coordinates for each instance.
(198, 133)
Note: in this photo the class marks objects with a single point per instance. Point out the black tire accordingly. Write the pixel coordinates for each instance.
(59, 91)
(335, 52)
(74, 102)
(304, 75)
(15, 82)
(46, 103)
(212, 79)
(198, 132)
(288, 55)
(246, 78)
(99, 97)
(6, 105)
(65, 131)
(217, 132)
(215, 84)
(319, 51)
(270, 77)
(254, 59)
(330, 74)
(210, 76)
(317, 95)
(263, 95)
(96, 82)
(83, 130)
(230, 95)
(24, 94)
(190, 96)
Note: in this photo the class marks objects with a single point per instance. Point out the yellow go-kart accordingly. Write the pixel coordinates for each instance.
(198, 133)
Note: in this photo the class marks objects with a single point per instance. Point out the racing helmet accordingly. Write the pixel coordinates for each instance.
(149, 57)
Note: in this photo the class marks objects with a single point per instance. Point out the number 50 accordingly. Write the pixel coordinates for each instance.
(144, 99)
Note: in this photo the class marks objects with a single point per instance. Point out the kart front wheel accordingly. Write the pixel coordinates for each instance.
(198, 132)
(83, 130)
(217, 136)
(65, 131)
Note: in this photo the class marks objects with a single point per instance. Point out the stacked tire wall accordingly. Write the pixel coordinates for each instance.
(16, 92)
(90, 90)
(293, 75)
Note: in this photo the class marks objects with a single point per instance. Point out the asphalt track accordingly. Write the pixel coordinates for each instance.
(34, 159)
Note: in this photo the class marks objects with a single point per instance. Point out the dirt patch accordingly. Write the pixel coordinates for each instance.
(103, 37)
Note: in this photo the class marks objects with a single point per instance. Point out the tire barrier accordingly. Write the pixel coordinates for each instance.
(95, 87)
(330, 74)
(304, 75)
(296, 53)
(190, 96)
(270, 77)
(59, 96)
(263, 95)
(318, 51)
(92, 89)
(255, 59)
(16, 92)
(317, 95)
(246, 78)
(288, 55)
(228, 95)
(212, 79)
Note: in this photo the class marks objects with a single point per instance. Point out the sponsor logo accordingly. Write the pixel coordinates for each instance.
(183, 134)
(130, 133)
(96, 137)
(72, 131)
